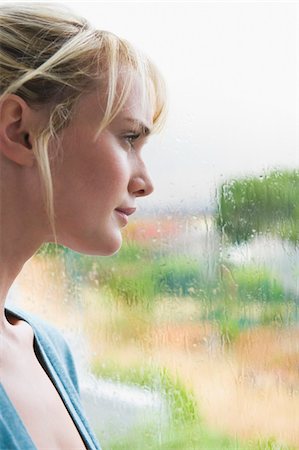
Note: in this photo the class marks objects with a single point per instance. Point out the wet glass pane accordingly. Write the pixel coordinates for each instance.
(188, 338)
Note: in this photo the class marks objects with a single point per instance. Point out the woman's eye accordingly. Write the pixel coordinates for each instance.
(131, 138)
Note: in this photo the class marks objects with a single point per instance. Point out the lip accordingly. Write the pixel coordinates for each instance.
(124, 213)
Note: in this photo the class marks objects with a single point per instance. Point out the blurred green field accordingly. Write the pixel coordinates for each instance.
(136, 282)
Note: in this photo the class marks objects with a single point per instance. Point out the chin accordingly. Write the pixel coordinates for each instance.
(107, 251)
(110, 246)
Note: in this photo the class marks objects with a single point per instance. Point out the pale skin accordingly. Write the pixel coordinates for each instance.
(96, 184)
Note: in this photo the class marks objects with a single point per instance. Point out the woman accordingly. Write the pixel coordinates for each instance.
(77, 105)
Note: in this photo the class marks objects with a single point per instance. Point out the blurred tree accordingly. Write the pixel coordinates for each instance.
(265, 204)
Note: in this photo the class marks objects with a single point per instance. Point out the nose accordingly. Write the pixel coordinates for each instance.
(140, 184)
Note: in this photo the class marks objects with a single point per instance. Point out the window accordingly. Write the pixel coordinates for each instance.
(188, 338)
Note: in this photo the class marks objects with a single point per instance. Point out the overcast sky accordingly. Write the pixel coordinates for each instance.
(232, 70)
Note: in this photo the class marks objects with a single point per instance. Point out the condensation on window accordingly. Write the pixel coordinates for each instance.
(188, 338)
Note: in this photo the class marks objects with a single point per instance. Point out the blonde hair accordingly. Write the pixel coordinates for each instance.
(50, 57)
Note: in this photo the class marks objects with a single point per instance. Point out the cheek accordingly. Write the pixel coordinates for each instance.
(111, 173)
(105, 182)
(99, 169)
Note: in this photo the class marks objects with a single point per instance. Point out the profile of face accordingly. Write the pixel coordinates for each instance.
(99, 176)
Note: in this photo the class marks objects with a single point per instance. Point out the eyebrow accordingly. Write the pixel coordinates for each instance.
(146, 131)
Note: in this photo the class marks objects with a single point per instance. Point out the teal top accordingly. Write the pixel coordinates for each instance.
(56, 359)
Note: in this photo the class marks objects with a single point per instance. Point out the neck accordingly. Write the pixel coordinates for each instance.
(22, 229)
(14, 254)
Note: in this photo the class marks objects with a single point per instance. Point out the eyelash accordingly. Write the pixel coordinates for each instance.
(131, 138)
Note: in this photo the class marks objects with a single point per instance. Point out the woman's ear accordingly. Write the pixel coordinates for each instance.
(16, 120)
